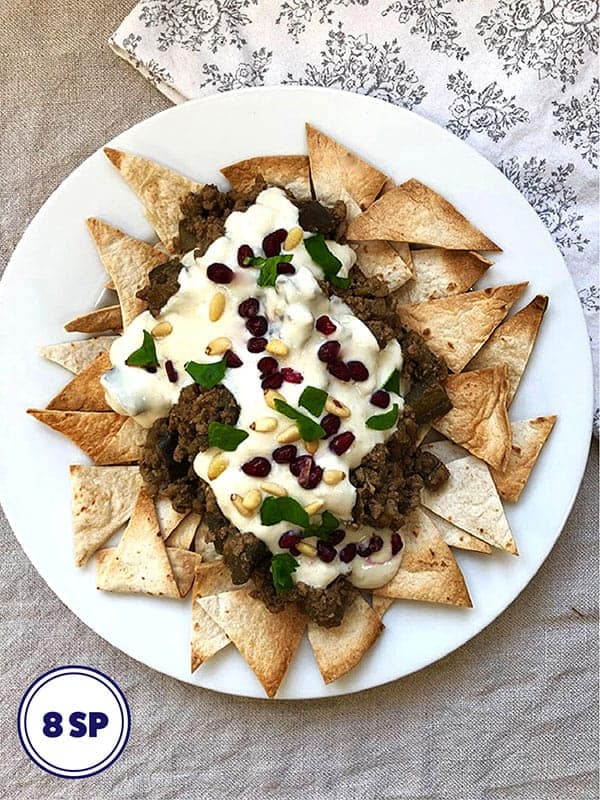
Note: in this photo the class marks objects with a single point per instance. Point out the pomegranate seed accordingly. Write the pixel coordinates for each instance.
(330, 424)
(348, 552)
(358, 371)
(273, 381)
(244, 252)
(232, 360)
(291, 376)
(375, 543)
(248, 308)
(257, 326)
(219, 273)
(283, 268)
(284, 454)
(337, 536)
(340, 443)
(397, 543)
(257, 467)
(171, 371)
(294, 551)
(289, 539)
(363, 548)
(313, 480)
(272, 243)
(339, 370)
(257, 344)
(151, 369)
(301, 466)
(325, 325)
(267, 365)
(329, 351)
(380, 398)
(325, 551)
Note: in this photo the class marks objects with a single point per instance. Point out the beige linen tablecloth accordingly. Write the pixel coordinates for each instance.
(513, 714)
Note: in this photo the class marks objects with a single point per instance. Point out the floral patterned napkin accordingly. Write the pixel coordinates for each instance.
(516, 78)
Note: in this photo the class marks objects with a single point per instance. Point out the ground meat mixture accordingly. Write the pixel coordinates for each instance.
(193, 411)
(162, 285)
(317, 218)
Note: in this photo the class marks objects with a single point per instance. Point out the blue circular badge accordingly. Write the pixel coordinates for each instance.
(74, 722)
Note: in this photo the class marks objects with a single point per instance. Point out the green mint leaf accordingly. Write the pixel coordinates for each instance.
(393, 382)
(207, 375)
(381, 422)
(225, 437)
(340, 283)
(282, 566)
(317, 249)
(277, 509)
(268, 268)
(313, 400)
(309, 429)
(324, 529)
(145, 356)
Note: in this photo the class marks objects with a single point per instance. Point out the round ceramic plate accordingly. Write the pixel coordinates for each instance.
(55, 274)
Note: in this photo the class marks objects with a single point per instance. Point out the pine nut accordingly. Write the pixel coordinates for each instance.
(218, 346)
(293, 238)
(216, 307)
(239, 505)
(218, 465)
(252, 500)
(162, 329)
(334, 406)
(307, 549)
(289, 435)
(264, 425)
(312, 447)
(333, 476)
(270, 396)
(277, 348)
(314, 507)
(274, 488)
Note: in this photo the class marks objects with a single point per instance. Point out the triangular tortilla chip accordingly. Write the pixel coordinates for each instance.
(203, 545)
(102, 499)
(404, 251)
(126, 446)
(139, 564)
(207, 637)
(412, 212)
(76, 356)
(91, 431)
(512, 342)
(159, 189)
(445, 450)
(381, 260)
(168, 518)
(339, 174)
(528, 438)
(456, 537)
(128, 262)
(184, 533)
(381, 605)
(97, 321)
(479, 420)
(441, 273)
(289, 172)
(469, 500)
(84, 392)
(338, 650)
(183, 563)
(428, 570)
(266, 641)
(455, 328)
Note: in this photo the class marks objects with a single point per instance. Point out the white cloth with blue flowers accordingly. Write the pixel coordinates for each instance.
(516, 78)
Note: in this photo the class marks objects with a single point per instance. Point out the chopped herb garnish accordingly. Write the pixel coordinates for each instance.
(268, 268)
(328, 524)
(207, 375)
(393, 382)
(282, 566)
(313, 400)
(145, 356)
(309, 430)
(277, 509)
(381, 422)
(330, 264)
(227, 437)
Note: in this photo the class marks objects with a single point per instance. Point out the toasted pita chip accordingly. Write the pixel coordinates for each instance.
(338, 650)
(289, 172)
(84, 392)
(203, 545)
(528, 438)
(102, 499)
(381, 605)
(445, 450)
(266, 641)
(455, 328)
(183, 563)
(89, 430)
(183, 535)
(404, 251)
(168, 518)
(381, 260)
(441, 273)
(139, 564)
(159, 189)
(456, 537)
(412, 212)
(128, 262)
(339, 174)
(126, 446)
(76, 356)
(428, 570)
(512, 342)
(101, 319)
(207, 637)
(469, 500)
(479, 420)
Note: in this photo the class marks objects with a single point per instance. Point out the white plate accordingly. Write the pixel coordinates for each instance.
(55, 274)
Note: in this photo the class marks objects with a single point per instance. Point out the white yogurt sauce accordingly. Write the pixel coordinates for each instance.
(291, 308)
